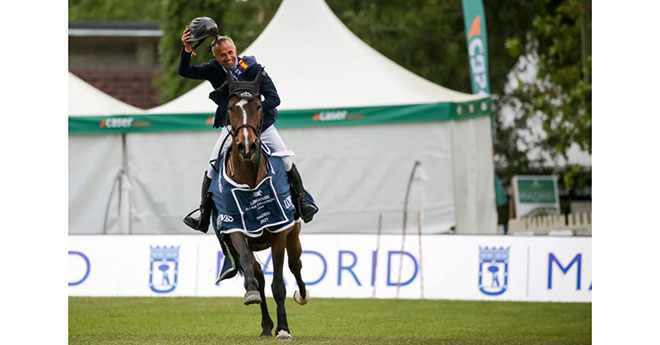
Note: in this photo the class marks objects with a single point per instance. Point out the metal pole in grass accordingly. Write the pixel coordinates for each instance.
(405, 220)
(373, 280)
(419, 236)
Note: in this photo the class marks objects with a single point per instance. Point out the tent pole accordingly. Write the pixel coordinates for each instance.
(124, 192)
(380, 225)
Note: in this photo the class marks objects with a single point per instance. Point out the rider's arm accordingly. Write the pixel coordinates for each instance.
(193, 72)
(267, 89)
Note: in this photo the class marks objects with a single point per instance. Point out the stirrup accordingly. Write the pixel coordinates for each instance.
(306, 217)
(194, 223)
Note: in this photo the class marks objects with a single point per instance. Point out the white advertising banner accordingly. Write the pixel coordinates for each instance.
(339, 265)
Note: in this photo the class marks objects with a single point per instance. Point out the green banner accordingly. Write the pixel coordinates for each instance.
(354, 116)
(537, 191)
(535, 195)
(475, 32)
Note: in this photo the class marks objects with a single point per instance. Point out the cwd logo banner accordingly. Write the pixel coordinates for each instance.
(346, 266)
(477, 44)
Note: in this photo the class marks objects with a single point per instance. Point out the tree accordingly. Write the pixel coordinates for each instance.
(427, 37)
(556, 57)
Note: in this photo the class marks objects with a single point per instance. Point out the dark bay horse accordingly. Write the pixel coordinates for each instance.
(247, 164)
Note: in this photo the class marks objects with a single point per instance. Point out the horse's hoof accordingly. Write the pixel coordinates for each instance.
(283, 335)
(264, 334)
(252, 297)
(299, 299)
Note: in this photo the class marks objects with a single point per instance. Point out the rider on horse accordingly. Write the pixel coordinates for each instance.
(241, 68)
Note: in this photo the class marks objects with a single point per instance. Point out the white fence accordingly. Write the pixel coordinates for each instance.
(444, 267)
(572, 224)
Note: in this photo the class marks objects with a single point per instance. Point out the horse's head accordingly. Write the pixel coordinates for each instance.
(245, 116)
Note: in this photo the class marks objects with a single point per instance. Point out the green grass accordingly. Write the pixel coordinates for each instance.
(145, 321)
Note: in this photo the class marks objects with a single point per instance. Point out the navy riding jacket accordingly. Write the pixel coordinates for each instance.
(213, 72)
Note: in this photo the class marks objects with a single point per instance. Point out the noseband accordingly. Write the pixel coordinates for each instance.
(257, 132)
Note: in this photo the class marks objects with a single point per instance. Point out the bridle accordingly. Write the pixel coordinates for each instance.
(245, 91)
(257, 132)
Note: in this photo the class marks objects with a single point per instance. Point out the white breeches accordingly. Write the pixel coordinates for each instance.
(271, 137)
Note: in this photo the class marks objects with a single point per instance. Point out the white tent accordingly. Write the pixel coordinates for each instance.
(96, 172)
(323, 71)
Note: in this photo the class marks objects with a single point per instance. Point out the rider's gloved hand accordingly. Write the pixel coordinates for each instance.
(184, 38)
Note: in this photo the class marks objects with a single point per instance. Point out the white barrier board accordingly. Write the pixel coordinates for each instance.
(447, 267)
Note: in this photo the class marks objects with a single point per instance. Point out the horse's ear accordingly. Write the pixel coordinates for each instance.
(257, 80)
(230, 80)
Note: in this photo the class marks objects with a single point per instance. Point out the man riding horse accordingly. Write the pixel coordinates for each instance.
(243, 68)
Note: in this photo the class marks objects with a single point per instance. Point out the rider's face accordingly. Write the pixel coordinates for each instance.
(225, 53)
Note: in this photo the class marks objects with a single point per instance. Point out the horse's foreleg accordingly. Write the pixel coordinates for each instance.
(246, 259)
(266, 321)
(278, 287)
(294, 251)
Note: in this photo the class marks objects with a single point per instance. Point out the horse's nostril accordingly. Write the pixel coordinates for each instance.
(241, 146)
(253, 146)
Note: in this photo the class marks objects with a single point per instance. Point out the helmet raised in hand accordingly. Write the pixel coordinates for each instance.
(201, 28)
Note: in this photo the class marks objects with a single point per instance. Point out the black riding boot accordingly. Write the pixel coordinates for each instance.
(202, 223)
(305, 209)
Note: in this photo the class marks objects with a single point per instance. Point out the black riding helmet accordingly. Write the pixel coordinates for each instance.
(201, 28)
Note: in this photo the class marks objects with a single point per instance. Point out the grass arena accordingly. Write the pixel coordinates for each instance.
(187, 320)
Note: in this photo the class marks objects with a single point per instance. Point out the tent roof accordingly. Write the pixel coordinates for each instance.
(86, 100)
(316, 62)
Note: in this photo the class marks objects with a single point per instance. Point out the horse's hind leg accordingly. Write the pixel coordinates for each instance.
(279, 290)
(294, 250)
(246, 259)
(266, 321)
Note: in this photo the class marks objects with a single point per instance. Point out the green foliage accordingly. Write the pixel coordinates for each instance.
(559, 92)
(427, 37)
(505, 20)
(185, 320)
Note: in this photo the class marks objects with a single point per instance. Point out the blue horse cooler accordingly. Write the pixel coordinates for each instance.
(238, 208)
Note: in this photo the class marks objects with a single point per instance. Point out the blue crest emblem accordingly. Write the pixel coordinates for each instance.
(163, 269)
(493, 270)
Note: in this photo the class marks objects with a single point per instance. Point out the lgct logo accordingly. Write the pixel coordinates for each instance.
(163, 268)
(493, 270)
